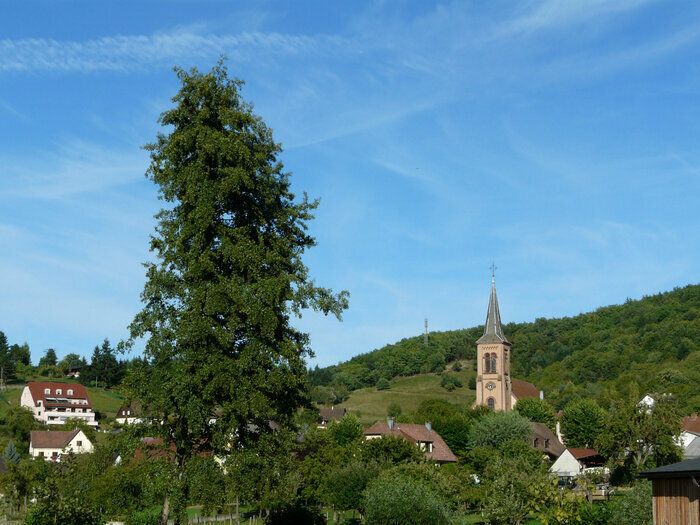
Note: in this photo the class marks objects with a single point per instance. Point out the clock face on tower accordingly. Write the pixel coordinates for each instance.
(490, 385)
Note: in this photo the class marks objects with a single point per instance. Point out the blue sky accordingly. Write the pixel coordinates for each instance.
(558, 138)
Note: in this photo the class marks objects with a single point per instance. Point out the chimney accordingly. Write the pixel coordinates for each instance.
(429, 425)
(541, 394)
(390, 423)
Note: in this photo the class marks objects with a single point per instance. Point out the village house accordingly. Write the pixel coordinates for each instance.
(326, 415)
(690, 437)
(543, 439)
(54, 403)
(74, 372)
(130, 414)
(425, 438)
(676, 493)
(52, 444)
(575, 461)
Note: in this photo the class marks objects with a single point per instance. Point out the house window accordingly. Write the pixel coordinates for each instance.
(59, 391)
(47, 390)
(79, 443)
(70, 391)
(491, 403)
(41, 454)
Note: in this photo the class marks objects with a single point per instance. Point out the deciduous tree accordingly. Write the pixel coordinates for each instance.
(537, 410)
(582, 422)
(228, 274)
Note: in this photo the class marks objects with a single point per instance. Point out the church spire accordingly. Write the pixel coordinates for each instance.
(493, 331)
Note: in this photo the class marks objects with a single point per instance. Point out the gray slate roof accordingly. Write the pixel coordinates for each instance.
(493, 331)
(682, 469)
(692, 451)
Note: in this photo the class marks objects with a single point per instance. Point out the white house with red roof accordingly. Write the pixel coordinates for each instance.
(53, 403)
(50, 445)
(574, 461)
(425, 438)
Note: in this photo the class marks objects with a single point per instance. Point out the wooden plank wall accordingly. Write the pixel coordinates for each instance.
(676, 501)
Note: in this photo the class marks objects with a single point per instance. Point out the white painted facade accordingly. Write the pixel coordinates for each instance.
(80, 444)
(566, 465)
(75, 409)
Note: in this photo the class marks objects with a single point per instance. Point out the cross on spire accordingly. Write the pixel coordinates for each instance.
(493, 271)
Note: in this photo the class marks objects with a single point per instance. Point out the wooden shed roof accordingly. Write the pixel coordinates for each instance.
(682, 469)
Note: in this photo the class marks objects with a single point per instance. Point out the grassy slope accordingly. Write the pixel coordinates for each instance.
(372, 404)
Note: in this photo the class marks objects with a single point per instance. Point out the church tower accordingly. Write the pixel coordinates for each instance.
(493, 381)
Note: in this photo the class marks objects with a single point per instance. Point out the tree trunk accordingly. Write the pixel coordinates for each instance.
(166, 512)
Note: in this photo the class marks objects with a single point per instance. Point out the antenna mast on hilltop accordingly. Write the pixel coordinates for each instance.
(425, 335)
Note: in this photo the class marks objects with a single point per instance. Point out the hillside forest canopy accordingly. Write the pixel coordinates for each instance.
(646, 345)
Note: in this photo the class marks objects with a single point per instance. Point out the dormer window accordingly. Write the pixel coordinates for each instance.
(70, 392)
(47, 391)
(59, 391)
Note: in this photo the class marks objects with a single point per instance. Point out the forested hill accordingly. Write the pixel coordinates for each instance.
(650, 345)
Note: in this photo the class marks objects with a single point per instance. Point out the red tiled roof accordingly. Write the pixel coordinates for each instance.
(581, 453)
(692, 424)
(332, 413)
(415, 433)
(36, 388)
(52, 438)
(522, 389)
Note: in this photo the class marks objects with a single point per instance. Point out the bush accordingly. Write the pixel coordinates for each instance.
(345, 485)
(450, 382)
(400, 500)
(383, 384)
(633, 507)
(346, 430)
(394, 410)
(296, 514)
(599, 513)
(472, 383)
(457, 367)
(145, 517)
(390, 449)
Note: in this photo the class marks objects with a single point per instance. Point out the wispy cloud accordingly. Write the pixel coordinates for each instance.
(555, 14)
(11, 110)
(134, 52)
(76, 167)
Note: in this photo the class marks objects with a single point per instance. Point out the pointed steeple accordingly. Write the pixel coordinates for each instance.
(493, 331)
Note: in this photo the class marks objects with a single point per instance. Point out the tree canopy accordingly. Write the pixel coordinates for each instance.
(228, 274)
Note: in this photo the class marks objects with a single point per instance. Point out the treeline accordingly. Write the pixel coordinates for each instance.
(103, 368)
(651, 343)
(303, 474)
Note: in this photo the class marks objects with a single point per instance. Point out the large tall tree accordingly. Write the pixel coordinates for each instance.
(228, 275)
